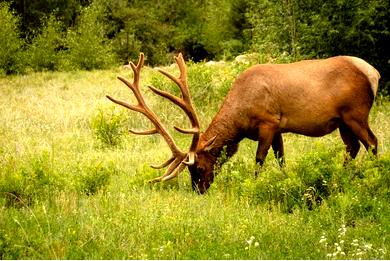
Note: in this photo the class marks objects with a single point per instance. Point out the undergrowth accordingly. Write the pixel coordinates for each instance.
(73, 182)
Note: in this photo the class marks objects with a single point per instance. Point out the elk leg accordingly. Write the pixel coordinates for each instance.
(277, 146)
(266, 135)
(364, 134)
(350, 140)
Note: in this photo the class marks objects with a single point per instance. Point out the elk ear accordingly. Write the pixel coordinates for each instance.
(210, 144)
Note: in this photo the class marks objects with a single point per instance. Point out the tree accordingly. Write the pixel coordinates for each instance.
(43, 52)
(87, 45)
(10, 43)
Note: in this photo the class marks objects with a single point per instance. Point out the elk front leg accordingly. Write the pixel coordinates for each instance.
(277, 146)
(266, 136)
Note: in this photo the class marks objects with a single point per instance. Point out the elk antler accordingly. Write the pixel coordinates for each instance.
(184, 103)
(179, 159)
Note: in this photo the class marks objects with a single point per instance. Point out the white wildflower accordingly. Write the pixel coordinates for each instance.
(250, 240)
(368, 246)
(322, 240)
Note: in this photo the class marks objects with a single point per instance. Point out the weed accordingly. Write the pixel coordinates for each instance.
(347, 248)
(31, 182)
(107, 127)
(96, 177)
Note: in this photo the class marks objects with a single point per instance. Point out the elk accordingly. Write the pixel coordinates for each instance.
(311, 97)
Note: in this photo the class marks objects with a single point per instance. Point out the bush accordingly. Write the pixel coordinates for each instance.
(43, 53)
(107, 127)
(317, 179)
(88, 47)
(33, 180)
(95, 177)
(10, 43)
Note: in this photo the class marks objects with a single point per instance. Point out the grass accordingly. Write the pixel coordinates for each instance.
(72, 181)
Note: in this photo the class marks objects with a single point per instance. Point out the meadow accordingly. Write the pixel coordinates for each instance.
(73, 180)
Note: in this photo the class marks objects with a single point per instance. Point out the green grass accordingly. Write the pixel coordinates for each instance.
(73, 181)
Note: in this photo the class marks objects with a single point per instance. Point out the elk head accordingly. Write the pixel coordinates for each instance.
(198, 158)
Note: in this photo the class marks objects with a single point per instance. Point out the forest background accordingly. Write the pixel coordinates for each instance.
(84, 34)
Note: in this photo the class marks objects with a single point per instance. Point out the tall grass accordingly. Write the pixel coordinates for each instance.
(69, 192)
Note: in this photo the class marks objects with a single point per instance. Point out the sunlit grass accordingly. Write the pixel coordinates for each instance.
(67, 194)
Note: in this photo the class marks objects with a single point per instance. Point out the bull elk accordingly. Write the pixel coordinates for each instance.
(312, 98)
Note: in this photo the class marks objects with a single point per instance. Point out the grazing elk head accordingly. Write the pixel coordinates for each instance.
(312, 98)
(198, 160)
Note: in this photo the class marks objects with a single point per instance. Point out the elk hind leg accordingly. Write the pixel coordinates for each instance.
(363, 132)
(351, 142)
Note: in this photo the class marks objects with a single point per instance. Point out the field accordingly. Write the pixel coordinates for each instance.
(73, 181)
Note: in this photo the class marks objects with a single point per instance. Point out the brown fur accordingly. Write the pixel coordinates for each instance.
(311, 98)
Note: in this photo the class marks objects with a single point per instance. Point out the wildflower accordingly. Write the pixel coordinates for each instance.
(368, 246)
(257, 244)
(322, 239)
(355, 243)
(250, 241)
(342, 230)
(359, 252)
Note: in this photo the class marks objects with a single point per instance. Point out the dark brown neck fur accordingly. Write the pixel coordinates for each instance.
(227, 136)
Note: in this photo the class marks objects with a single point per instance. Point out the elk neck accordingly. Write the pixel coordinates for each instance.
(227, 136)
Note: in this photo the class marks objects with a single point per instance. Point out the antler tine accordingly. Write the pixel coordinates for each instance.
(184, 102)
(137, 69)
(172, 171)
(163, 165)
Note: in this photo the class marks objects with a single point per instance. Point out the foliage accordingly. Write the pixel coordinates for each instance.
(87, 45)
(32, 181)
(31, 13)
(305, 29)
(10, 43)
(43, 53)
(107, 127)
(95, 177)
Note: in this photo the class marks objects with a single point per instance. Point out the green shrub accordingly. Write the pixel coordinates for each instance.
(107, 127)
(319, 173)
(95, 177)
(10, 43)
(88, 47)
(29, 180)
(43, 51)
